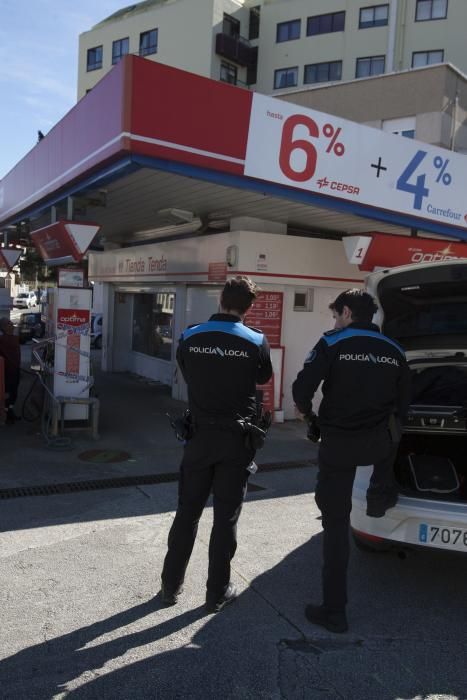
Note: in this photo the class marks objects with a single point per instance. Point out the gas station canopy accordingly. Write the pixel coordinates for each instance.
(153, 151)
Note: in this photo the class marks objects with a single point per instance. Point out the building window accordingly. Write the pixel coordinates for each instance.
(120, 48)
(228, 73)
(230, 25)
(148, 42)
(431, 9)
(285, 78)
(253, 31)
(303, 300)
(252, 74)
(376, 16)
(323, 72)
(153, 324)
(426, 58)
(372, 65)
(286, 31)
(94, 61)
(404, 126)
(324, 24)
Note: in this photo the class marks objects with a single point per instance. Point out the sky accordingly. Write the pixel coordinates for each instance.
(39, 66)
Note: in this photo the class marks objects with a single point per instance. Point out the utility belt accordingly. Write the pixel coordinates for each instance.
(254, 433)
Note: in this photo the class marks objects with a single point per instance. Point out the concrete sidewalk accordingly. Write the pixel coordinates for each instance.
(132, 420)
(79, 577)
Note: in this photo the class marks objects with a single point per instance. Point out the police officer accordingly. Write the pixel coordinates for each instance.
(366, 381)
(222, 361)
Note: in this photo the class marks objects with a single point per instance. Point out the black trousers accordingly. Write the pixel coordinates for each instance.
(214, 459)
(339, 456)
(12, 379)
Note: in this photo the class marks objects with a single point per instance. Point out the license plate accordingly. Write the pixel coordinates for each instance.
(442, 536)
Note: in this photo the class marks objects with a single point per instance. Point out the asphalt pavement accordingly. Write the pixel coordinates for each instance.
(80, 570)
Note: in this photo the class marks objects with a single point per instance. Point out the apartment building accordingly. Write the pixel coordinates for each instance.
(277, 46)
(201, 36)
(303, 43)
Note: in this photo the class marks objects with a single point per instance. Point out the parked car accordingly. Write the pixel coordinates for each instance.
(96, 330)
(25, 300)
(424, 308)
(30, 326)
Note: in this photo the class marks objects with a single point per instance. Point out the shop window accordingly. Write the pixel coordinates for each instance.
(303, 300)
(153, 324)
(431, 9)
(120, 48)
(372, 65)
(228, 73)
(148, 42)
(376, 16)
(285, 77)
(427, 58)
(323, 72)
(287, 31)
(94, 58)
(324, 24)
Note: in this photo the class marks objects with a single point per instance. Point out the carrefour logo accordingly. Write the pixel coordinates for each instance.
(368, 357)
(208, 350)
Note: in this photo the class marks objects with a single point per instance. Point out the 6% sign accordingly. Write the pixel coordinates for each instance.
(289, 146)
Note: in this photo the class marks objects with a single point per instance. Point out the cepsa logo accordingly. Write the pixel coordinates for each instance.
(419, 256)
(208, 350)
(338, 186)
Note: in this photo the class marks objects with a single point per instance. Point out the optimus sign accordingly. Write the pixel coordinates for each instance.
(375, 250)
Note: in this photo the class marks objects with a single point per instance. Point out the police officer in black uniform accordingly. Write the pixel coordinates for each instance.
(222, 361)
(366, 382)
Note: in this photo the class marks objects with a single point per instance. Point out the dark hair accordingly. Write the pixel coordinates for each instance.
(361, 304)
(238, 294)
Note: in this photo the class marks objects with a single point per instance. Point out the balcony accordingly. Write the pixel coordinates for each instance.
(236, 49)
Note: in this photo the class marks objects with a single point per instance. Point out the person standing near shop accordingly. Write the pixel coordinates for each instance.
(222, 361)
(366, 382)
(11, 353)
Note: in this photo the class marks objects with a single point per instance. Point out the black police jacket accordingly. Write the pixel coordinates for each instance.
(222, 361)
(365, 374)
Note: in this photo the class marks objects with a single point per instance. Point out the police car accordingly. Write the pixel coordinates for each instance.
(424, 308)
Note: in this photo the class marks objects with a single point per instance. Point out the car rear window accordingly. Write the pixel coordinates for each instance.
(430, 309)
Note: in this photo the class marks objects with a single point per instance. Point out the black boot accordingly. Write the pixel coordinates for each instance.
(216, 605)
(334, 621)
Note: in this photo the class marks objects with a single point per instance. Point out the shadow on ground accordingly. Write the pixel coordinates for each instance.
(261, 647)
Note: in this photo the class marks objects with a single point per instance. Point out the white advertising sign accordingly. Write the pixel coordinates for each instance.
(327, 155)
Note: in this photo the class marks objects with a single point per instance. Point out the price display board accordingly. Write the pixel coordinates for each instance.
(266, 315)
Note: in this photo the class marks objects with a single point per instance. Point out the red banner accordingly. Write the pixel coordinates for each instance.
(378, 250)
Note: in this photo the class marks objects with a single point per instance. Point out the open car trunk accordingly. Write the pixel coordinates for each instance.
(425, 310)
